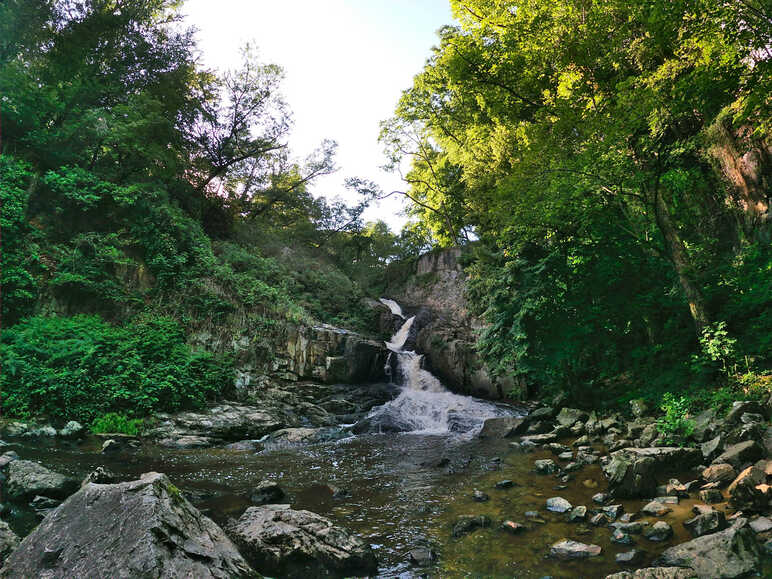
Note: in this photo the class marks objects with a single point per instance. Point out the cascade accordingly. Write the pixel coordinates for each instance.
(424, 405)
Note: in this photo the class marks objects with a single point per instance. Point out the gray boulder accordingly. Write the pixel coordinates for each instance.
(633, 472)
(278, 540)
(731, 553)
(8, 541)
(706, 522)
(749, 491)
(569, 416)
(141, 528)
(502, 427)
(566, 549)
(740, 454)
(658, 532)
(27, 479)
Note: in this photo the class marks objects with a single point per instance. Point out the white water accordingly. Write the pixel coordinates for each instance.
(395, 308)
(424, 405)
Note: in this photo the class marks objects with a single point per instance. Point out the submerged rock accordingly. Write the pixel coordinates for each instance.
(479, 496)
(512, 527)
(26, 479)
(566, 549)
(142, 528)
(278, 540)
(630, 558)
(466, 524)
(422, 556)
(545, 466)
(731, 553)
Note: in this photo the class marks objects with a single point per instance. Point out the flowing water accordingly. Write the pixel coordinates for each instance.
(404, 488)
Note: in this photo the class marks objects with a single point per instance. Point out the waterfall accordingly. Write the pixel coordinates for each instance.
(393, 306)
(424, 405)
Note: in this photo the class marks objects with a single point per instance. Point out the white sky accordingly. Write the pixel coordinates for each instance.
(346, 63)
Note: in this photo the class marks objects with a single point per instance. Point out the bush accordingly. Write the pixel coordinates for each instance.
(80, 368)
(113, 422)
(675, 424)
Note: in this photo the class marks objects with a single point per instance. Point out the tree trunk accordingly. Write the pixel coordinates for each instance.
(676, 250)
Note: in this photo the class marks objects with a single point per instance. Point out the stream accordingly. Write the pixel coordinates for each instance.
(401, 485)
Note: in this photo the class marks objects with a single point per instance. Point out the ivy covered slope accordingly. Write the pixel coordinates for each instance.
(144, 197)
(614, 161)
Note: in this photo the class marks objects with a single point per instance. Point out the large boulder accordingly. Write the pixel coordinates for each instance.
(278, 540)
(731, 553)
(502, 427)
(8, 541)
(748, 490)
(141, 528)
(740, 454)
(28, 479)
(633, 472)
(569, 416)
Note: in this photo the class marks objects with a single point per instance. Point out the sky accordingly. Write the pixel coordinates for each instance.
(346, 63)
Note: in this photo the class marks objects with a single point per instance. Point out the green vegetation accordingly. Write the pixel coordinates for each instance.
(675, 423)
(117, 424)
(612, 161)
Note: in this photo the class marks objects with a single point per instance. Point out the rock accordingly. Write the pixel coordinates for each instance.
(502, 427)
(655, 573)
(705, 523)
(600, 498)
(621, 538)
(45, 431)
(27, 479)
(612, 511)
(761, 525)
(599, 520)
(8, 541)
(630, 558)
(185, 442)
(72, 429)
(278, 540)
(540, 438)
(558, 505)
(513, 527)
(535, 517)
(676, 489)
(746, 493)
(667, 500)
(44, 504)
(566, 549)
(120, 443)
(245, 446)
(578, 514)
(570, 416)
(633, 472)
(733, 552)
(656, 509)
(466, 524)
(711, 496)
(546, 466)
(142, 528)
(722, 474)
(629, 517)
(634, 528)
(740, 454)
(648, 434)
(658, 532)
(266, 492)
(740, 407)
(505, 484)
(422, 556)
(639, 408)
(712, 448)
(480, 497)
(101, 475)
(7, 458)
(705, 425)
(542, 413)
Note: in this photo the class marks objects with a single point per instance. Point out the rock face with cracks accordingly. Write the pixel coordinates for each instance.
(284, 542)
(141, 528)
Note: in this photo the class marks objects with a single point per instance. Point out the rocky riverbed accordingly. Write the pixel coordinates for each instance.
(557, 493)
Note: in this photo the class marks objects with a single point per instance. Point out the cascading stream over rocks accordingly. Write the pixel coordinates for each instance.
(424, 405)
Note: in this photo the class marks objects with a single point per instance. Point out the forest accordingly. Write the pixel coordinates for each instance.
(606, 167)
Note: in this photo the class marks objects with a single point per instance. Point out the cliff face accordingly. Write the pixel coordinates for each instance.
(446, 331)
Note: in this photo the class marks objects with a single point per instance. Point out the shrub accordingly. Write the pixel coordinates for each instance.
(117, 423)
(675, 424)
(80, 368)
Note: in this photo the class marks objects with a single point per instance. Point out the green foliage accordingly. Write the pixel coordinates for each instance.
(81, 368)
(675, 425)
(716, 346)
(113, 422)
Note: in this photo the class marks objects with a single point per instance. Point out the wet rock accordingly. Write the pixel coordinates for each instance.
(566, 549)
(26, 479)
(612, 511)
(722, 474)
(676, 489)
(633, 472)
(502, 427)
(655, 573)
(668, 500)
(422, 556)
(600, 498)
(337, 492)
(706, 522)
(570, 416)
(557, 448)
(629, 517)
(44, 504)
(535, 517)
(712, 448)
(505, 484)
(186, 442)
(542, 413)
(480, 497)
(245, 446)
(8, 541)
(278, 540)
(546, 466)
(142, 528)
(630, 558)
(512, 527)
(711, 496)
(761, 525)
(266, 492)
(705, 425)
(740, 454)
(578, 514)
(656, 509)
(621, 538)
(524, 446)
(746, 491)
(101, 475)
(540, 438)
(658, 532)
(558, 505)
(45, 431)
(72, 429)
(634, 528)
(7, 458)
(115, 443)
(466, 524)
(600, 520)
(733, 552)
